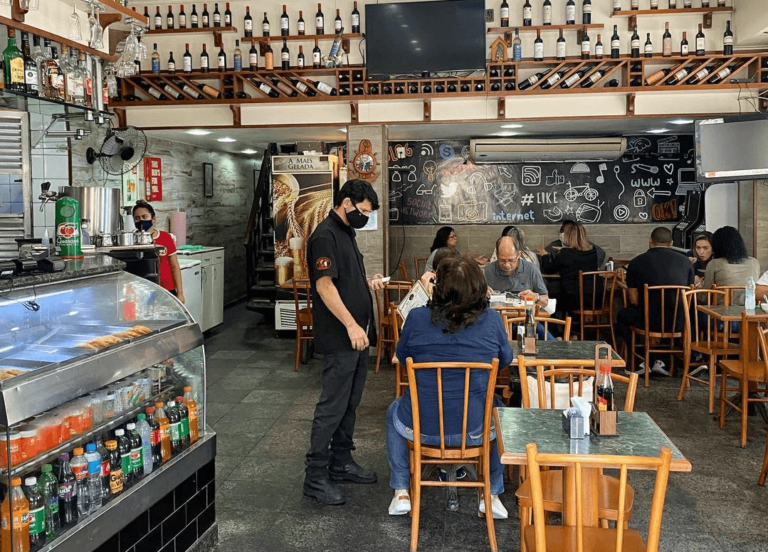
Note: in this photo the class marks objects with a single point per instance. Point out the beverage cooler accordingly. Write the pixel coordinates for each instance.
(84, 355)
(302, 196)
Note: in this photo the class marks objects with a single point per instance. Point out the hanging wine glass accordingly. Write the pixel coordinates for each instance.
(75, 32)
(96, 30)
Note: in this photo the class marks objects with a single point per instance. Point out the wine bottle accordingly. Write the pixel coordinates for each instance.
(517, 46)
(704, 3)
(237, 58)
(479, 87)
(576, 77)
(615, 43)
(413, 88)
(216, 15)
(538, 47)
(227, 16)
(586, 45)
(560, 52)
(648, 48)
(570, 12)
(300, 61)
(248, 22)
(722, 74)
(269, 57)
(599, 47)
(284, 88)
(207, 90)
(193, 17)
(172, 92)
(687, 4)
(146, 12)
(586, 12)
(593, 79)
(504, 13)
(355, 19)
(654, 4)
(617, 5)
(680, 74)
(204, 61)
(509, 85)
(158, 19)
(319, 20)
(253, 58)
(187, 60)
(653, 78)
(265, 25)
(636, 82)
(155, 60)
(700, 42)
(205, 16)
(701, 74)
(31, 71)
(222, 59)
(266, 89)
(324, 88)
(684, 45)
(439, 89)
(635, 51)
(300, 25)
(634, 5)
(672, 4)
(720, 3)
(547, 12)
(169, 18)
(527, 14)
(387, 88)
(533, 79)
(666, 49)
(337, 24)
(284, 23)
(302, 87)
(728, 39)
(149, 89)
(285, 56)
(316, 56)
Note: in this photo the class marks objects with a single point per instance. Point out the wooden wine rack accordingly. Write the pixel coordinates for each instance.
(632, 15)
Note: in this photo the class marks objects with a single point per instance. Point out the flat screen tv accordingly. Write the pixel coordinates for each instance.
(732, 148)
(411, 38)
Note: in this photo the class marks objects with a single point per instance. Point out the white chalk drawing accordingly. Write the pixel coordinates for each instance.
(397, 172)
(478, 180)
(670, 181)
(580, 168)
(427, 150)
(617, 170)
(589, 213)
(643, 216)
(642, 167)
(653, 192)
(531, 175)
(669, 168)
(639, 199)
(504, 171)
(669, 148)
(555, 179)
(686, 181)
(395, 194)
(621, 213)
(505, 193)
(635, 147)
(543, 198)
(590, 194)
(446, 151)
(427, 189)
(645, 182)
(600, 179)
(394, 213)
(399, 151)
(465, 152)
(472, 211)
(429, 168)
(554, 214)
(445, 214)
(569, 209)
(689, 155)
(448, 190)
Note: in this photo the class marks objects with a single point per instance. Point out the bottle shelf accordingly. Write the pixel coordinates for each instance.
(534, 28)
(706, 14)
(7, 95)
(295, 38)
(190, 30)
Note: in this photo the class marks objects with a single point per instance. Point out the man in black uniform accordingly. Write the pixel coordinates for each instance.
(344, 327)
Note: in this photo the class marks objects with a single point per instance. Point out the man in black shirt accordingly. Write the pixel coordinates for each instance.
(659, 266)
(344, 327)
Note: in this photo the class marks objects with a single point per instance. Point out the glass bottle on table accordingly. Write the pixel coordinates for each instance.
(605, 388)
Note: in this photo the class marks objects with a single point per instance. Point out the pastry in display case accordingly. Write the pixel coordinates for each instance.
(102, 381)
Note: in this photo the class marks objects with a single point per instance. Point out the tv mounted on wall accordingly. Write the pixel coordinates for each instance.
(732, 148)
(414, 38)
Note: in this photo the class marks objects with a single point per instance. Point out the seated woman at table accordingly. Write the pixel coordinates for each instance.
(731, 264)
(519, 236)
(446, 237)
(576, 254)
(428, 278)
(702, 254)
(456, 326)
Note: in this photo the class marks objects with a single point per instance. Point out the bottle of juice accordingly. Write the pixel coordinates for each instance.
(184, 415)
(20, 522)
(165, 432)
(189, 402)
(36, 514)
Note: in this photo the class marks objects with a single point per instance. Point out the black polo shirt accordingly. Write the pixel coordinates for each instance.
(332, 251)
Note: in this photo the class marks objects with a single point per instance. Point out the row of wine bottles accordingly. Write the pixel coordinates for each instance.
(204, 20)
(671, 4)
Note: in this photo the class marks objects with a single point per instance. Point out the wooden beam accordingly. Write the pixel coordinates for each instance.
(502, 109)
(17, 12)
(217, 39)
(56, 38)
(707, 20)
(106, 19)
(121, 119)
(427, 110)
(354, 113)
(631, 104)
(236, 121)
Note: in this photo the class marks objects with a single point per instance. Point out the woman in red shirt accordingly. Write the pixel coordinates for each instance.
(170, 272)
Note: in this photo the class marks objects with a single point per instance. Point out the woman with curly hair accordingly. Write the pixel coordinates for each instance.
(730, 265)
(457, 325)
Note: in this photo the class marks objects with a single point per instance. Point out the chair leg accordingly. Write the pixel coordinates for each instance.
(764, 470)
(744, 412)
(723, 383)
(378, 355)
(415, 507)
(484, 468)
(647, 364)
(684, 383)
(298, 350)
(712, 378)
(525, 520)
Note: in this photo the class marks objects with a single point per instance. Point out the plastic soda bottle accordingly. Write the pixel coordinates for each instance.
(145, 432)
(49, 488)
(124, 446)
(155, 427)
(36, 514)
(189, 402)
(67, 492)
(20, 522)
(184, 414)
(175, 420)
(105, 468)
(137, 462)
(116, 480)
(93, 488)
(165, 432)
(80, 468)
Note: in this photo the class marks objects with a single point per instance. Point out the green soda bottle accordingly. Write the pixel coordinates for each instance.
(49, 488)
(68, 228)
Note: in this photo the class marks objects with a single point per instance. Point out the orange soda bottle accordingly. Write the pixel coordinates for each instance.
(165, 432)
(189, 402)
(20, 521)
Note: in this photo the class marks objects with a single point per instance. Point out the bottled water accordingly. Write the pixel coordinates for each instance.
(79, 466)
(94, 476)
(749, 294)
(145, 432)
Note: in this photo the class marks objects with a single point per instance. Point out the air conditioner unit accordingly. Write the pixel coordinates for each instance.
(507, 150)
(285, 314)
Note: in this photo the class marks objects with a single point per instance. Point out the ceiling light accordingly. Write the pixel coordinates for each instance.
(681, 121)
(657, 130)
(198, 132)
(249, 151)
(506, 134)
(512, 125)
(344, 130)
(226, 139)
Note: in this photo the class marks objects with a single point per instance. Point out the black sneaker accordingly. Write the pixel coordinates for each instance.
(323, 491)
(351, 472)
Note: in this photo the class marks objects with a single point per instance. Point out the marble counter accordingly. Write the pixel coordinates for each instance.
(91, 265)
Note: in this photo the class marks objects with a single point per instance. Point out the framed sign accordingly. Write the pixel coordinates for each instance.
(207, 180)
(153, 179)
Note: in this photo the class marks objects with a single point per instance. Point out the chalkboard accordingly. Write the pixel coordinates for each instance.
(436, 183)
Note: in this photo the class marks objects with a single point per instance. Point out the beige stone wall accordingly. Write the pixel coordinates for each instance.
(761, 200)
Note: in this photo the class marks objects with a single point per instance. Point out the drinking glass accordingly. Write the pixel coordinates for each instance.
(75, 32)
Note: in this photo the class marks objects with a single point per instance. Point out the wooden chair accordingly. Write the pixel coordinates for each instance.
(731, 331)
(420, 264)
(702, 336)
(403, 270)
(595, 312)
(543, 537)
(477, 455)
(401, 376)
(565, 325)
(749, 372)
(394, 290)
(302, 300)
(764, 470)
(659, 339)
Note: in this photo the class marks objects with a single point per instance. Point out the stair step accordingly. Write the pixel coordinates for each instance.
(258, 305)
(263, 287)
(265, 268)
(267, 252)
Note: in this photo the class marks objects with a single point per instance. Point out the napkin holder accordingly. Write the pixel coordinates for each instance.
(576, 419)
(603, 422)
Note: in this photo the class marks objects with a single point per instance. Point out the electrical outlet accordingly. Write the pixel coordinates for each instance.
(489, 16)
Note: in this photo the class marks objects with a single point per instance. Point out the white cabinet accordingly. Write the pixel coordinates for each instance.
(212, 268)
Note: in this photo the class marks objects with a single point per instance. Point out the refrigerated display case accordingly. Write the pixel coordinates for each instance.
(82, 353)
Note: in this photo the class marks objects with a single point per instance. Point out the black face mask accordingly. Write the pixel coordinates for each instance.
(356, 219)
(143, 225)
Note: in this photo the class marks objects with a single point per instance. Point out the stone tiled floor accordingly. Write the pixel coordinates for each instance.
(262, 411)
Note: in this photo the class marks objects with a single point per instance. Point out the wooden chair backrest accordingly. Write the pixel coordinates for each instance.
(396, 321)
(510, 311)
(670, 299)
(694, 329)
(420, 264)
(729, 291)
(762, 335)
(394, 291)
(302, 290)
(444, 451)
(403, 270)
(545, 321)
(579, 461)
(596, 291)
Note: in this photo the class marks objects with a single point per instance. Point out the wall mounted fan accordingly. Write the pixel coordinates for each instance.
(121, 151)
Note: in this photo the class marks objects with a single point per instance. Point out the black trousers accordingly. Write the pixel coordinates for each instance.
(628, 317)
(333, 426)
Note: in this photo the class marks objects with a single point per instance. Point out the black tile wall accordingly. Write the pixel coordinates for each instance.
(134, 531)
(152, 542)
(205, 520)
(161, 510)
(187, 537)
(111, 545)
(174, 524)
(186, 489)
